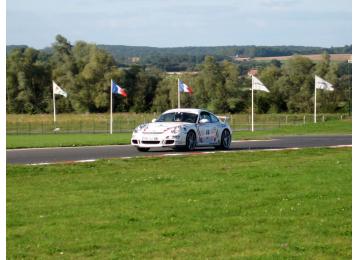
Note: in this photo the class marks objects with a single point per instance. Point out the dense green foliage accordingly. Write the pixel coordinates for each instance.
(252, 205)
(85, 70)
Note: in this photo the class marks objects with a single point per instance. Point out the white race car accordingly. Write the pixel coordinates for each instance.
(183, 128)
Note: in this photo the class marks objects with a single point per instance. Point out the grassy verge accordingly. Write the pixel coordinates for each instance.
(25, 141)
(323, 128)
(63, 140)
(245, 204)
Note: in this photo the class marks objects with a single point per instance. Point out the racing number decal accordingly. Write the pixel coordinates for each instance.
(199, 134)
(216, 135)
(204, 133)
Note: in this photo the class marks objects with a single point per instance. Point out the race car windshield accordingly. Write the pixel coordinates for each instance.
(178, 117)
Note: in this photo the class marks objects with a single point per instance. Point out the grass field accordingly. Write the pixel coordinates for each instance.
(74, 123)
(25, 141)
(262, 205)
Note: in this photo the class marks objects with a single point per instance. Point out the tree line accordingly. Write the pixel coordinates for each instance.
(84, 70)
(187, 58)
(122, 53)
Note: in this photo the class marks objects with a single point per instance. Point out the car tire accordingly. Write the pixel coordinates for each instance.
(190, 141)
(225, 140)
(179, 148)
(142, 149)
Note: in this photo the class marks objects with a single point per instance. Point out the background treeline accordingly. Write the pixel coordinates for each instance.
(187, 58)
(84, 70)
(197, 54)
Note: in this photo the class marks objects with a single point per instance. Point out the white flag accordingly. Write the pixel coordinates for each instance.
(57, 90)
(323, 84)
(258, 85)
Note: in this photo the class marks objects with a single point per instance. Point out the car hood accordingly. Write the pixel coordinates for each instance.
(160, 127)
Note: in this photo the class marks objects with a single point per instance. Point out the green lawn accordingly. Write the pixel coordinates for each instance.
(26, 141)
(323, 128)
(245, 204)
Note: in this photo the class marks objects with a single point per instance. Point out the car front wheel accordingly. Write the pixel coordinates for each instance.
(190, 141)
(225, 140)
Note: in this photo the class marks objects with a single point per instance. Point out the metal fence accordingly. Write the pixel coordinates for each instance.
(126, 123)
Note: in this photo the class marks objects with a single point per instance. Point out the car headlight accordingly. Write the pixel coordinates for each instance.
(138, 129)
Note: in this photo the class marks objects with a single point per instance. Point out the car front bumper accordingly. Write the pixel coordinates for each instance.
(159, 140)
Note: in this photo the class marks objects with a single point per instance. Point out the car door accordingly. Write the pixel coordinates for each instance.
(214, 130)
(204, 128)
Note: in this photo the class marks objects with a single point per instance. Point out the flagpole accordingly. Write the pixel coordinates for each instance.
(315, 104)
(252, 104)
(111, 108)
(54, 107)
(178, 93)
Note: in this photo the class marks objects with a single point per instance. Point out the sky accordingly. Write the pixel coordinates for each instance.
(173, 23)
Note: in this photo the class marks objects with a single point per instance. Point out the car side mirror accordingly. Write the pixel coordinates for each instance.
(204, 121)
(154, 120)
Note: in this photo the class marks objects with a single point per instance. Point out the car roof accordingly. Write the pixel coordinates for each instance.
(188, 110)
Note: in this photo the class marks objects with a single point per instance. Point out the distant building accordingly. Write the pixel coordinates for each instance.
(252, 72)
(239, 58)
(182, 72)
(134, 59)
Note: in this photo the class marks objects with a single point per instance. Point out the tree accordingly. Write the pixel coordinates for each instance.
(274, 100)
(228, 97)
(27, 82)
(85, 71)
(165, 95)
(298, 75)
(329, 100)
(63, 72)
(207, 84)
(93, 80)
(322, 67)
(275, 63)
(142, 86)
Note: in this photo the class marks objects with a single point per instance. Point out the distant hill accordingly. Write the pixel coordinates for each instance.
(124, 53)
(187, 58)
(9, 48)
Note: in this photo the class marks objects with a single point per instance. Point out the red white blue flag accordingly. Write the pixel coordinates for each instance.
(184, 88)
(116, 89)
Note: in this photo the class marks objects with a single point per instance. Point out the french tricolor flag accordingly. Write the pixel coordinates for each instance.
(116, 89)
(184, 88)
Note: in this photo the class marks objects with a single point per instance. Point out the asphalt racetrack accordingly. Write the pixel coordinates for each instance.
(91, 153)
